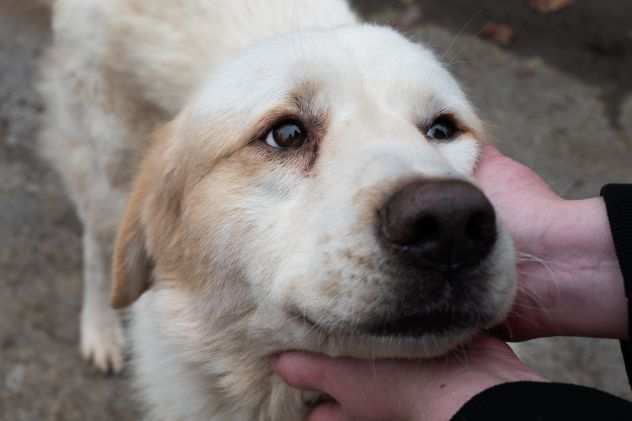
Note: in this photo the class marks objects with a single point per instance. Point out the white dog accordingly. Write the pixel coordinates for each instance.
(303, 181)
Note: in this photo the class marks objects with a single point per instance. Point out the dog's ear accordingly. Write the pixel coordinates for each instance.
(131, 264)
(148, 224)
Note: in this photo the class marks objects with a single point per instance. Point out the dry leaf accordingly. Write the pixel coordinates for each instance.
(549, 6)
(498, 33)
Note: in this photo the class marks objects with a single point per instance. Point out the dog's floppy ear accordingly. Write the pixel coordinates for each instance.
(148, 223)
(131, 264)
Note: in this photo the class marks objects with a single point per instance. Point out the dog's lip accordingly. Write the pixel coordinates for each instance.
(421, 324)
(414, 327)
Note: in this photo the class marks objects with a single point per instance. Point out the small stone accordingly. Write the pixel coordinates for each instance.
(15, 378)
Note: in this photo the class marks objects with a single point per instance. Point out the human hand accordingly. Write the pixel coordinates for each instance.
(570, 282)
(403, 390)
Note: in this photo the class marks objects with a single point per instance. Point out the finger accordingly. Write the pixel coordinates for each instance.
(489, 154)
(486, 345)
(489, 151)
(486, 349)
(502, 332)
(334, 376)
(379, 389)
(486, 342)
(327, 412)
(302, 370)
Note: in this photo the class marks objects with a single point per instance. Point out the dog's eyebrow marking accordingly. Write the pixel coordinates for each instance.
(303, 98)
(315, 118)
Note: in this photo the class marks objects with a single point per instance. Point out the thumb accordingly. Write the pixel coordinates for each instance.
(318, 372)
(327, 412)
(368, 390)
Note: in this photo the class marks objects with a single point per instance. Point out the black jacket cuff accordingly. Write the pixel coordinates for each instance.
(531, 401)
(618, 198)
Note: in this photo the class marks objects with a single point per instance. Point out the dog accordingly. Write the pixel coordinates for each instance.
(257, 176)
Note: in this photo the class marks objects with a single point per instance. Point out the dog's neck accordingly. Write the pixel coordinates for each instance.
(231, 380)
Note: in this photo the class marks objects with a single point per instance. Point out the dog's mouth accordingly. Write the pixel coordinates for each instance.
(422, 324)
(415, 326)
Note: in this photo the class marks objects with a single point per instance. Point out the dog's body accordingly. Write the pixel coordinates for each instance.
(247, 247)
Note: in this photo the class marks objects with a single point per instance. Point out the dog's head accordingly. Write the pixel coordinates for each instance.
(319, 190)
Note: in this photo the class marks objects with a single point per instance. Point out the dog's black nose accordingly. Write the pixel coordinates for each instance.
(442, 225)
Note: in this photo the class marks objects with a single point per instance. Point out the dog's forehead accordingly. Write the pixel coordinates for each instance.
(340, 66)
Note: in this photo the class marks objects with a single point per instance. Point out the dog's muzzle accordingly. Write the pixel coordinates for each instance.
(440, 233)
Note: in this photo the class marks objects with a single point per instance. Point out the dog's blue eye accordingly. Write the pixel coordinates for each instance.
(442, 128)
(287, 134)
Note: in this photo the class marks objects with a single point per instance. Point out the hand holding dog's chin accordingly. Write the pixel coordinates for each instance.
(570, 282)
(403, 390)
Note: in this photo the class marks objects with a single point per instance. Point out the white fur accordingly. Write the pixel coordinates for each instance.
(254, 237)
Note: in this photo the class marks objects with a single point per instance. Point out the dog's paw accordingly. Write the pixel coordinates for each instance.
(102, 342)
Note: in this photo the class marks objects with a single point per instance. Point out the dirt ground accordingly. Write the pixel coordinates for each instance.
(558, 98)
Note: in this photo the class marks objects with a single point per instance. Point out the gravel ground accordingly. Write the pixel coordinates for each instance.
(558, 98)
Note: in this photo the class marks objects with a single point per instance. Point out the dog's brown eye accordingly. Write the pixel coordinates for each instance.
(287, 134)
(442, 128)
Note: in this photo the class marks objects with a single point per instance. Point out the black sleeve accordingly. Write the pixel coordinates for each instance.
(618, 198)
(530, 401)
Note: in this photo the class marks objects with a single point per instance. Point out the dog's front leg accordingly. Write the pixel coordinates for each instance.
(102, 341)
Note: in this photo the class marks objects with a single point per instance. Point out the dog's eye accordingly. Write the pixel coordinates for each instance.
(442, 128)
(287, 134)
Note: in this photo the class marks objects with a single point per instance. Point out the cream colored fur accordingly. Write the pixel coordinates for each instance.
(225, 238)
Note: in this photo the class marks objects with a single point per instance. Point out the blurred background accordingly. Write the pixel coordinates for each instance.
(553, 78)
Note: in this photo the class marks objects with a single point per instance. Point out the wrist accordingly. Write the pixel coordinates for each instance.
(583, 235)
(589, 298)
(486, 363)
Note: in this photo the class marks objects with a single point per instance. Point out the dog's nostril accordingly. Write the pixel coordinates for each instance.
(480, 226)
(441, 224)
(404, 231)
(426, 229)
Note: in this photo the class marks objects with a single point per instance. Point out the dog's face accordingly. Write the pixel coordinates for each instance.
(319, 187)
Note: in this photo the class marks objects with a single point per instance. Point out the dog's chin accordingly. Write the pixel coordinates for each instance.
(365, 344)
(379, 347)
